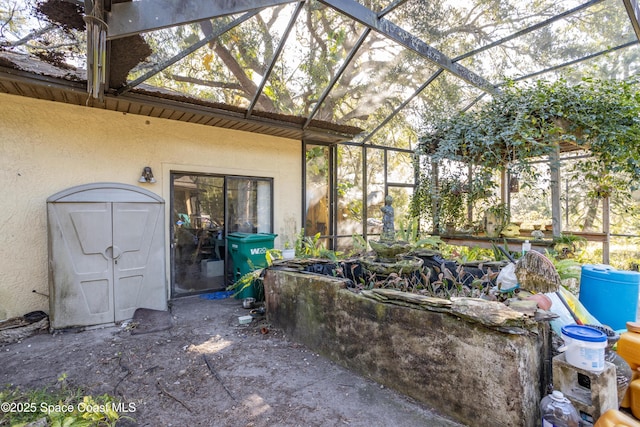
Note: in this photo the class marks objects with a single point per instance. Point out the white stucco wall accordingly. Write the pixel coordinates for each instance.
(46, 147)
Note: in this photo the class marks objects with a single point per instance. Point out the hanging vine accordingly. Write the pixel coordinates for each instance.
(526, 123)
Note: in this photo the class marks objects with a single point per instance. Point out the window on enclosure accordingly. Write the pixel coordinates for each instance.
(350, 188)
(318, 194)
(375, 190)
(530, 203)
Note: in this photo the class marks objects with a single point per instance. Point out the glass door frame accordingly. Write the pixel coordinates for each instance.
(225, 230)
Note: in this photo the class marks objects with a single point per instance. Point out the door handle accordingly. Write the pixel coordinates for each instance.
(111, 252)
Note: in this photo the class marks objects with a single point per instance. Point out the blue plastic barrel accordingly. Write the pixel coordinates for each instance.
(610, 295)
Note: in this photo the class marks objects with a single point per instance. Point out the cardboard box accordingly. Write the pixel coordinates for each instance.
(211, 268)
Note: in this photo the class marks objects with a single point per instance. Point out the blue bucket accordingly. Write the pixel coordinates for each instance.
(610, 295)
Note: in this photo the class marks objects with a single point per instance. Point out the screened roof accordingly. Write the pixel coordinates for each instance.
(373, 72)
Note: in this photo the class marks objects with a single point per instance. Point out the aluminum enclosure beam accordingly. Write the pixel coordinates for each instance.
(276, 54)
(370, 19)
(200, 43)
(130, 18)
(634, 15)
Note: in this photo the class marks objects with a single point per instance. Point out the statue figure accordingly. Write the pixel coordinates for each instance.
(390, 254)
(388, 230)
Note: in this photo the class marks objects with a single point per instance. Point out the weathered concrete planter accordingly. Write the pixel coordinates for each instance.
(466, 371)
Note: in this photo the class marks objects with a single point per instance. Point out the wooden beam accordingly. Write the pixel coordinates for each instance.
(606, 229)
(130, 18)
(370, 19)
(514, 244)
(554, 168)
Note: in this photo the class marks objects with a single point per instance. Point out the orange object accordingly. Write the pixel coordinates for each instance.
(634, 393)
(626, 402)
(628, 346)
(615, 418)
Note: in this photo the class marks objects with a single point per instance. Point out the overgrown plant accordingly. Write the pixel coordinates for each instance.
(359, 245)
(568, 245)
(254, 277)
(443, 194)
(312, 247)
(447, 284)
(526, 123)
(496, 218)
(408, 230)
(466, 254)
(60, 406)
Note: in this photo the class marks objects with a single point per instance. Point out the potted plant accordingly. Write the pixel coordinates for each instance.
(496, 218)
(452, 204)
(289, 237)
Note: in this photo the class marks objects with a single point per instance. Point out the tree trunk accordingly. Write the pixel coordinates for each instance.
(592, 210)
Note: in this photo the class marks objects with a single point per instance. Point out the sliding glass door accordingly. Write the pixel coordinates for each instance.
(205, 208)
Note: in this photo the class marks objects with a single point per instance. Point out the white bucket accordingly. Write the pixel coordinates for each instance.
(584, 347)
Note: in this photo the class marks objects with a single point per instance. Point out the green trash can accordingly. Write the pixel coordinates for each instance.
(248, 252)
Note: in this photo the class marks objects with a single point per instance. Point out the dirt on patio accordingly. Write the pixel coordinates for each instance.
(202, 368)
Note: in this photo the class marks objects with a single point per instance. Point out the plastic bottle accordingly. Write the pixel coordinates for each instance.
(526, 247)
(557, 411)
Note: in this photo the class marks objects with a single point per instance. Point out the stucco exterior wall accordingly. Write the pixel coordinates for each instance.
(46, 147)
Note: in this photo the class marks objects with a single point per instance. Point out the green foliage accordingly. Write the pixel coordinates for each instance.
(254, 277)
(568, 245)
(447, 285)
(499, 254)
(464, 254)
(499, 215)
(452, 202)
(408, 230)
(313, 247)
(61, 406)
(567, 268)
(444, 201)
(527, 122)
(431, 242)
(359, 245)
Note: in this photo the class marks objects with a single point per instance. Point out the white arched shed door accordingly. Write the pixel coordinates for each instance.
(106, 254)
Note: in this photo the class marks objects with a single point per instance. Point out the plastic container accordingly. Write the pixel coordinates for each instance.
(248, 252)
(615, 418)
(557, 411)
(610, 295)
(244, 320)
(626, 402)
(629, 345)
(526, 247)
(584, 347)
(623, 370)
(634, 398)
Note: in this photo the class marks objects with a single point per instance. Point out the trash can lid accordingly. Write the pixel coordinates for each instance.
(250, 236)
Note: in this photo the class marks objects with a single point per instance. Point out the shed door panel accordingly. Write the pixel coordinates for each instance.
(83, 269)
(138, 252)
